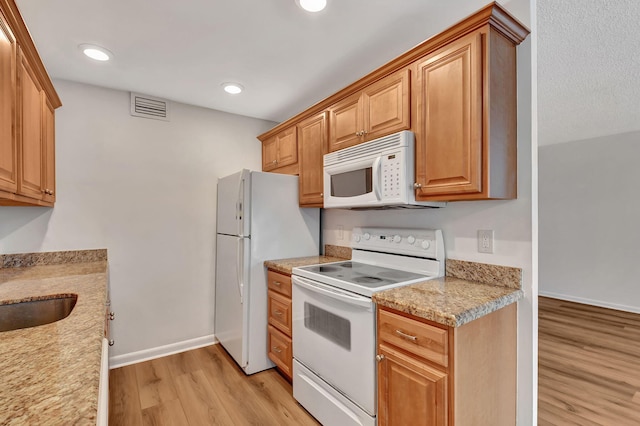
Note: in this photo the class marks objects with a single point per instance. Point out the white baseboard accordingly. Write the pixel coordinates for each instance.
(160, 351)
(600, 303)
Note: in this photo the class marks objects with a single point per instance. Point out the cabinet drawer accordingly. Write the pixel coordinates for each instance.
(280, 350)
(279, 282)
(418, 338)
(279, 309)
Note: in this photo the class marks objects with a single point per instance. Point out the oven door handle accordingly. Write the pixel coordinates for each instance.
(334, 293)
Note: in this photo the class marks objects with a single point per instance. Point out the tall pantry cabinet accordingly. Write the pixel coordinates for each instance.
(27, 117)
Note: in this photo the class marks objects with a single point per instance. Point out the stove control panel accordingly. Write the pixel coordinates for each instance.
(426, 243)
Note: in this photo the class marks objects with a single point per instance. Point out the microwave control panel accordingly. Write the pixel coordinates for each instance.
(391, 176)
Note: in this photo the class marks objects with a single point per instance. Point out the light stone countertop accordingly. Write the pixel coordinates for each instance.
(448, 300)
(49, 375)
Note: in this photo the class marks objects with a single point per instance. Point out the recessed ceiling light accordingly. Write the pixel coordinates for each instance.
(232, 88)
(96, 52)
(312, 5)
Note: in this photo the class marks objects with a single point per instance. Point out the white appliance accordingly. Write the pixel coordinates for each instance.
(375, 174)
(334, 367)
(258, 218)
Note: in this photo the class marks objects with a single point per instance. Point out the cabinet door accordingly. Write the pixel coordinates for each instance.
(30, 170)
(449, 119)
(287, 147)
(345, 123)
(386, 105)
(8, 154)
(49, 147)
(312, 134)
(269, 154)
(410, 392)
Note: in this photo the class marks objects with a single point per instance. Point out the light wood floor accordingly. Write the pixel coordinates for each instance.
(589, 365)
(200, 387)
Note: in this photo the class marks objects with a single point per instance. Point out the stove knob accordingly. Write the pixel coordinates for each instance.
(366, 236)
(411, 239)
(425, 244)
(397, 238)
(356, 238)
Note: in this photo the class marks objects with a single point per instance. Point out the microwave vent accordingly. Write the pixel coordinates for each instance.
(379, 145)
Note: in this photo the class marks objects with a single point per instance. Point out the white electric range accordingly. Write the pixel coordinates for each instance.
(334, 344)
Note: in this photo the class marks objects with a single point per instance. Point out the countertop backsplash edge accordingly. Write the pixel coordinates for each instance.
(21, 260)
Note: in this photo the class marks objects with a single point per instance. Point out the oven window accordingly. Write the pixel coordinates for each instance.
(351, 184)
(328, 325)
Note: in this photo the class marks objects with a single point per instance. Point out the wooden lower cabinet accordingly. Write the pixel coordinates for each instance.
(473, 384)
(280, 349)
(410, 392)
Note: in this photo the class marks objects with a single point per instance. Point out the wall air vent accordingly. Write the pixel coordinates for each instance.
(149, 107)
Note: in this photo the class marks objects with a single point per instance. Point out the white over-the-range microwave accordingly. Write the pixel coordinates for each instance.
(375, 174)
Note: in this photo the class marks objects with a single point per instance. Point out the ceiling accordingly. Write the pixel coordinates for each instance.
(288, 59)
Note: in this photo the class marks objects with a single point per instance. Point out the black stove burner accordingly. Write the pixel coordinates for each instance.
(367, 280)
(349, 265)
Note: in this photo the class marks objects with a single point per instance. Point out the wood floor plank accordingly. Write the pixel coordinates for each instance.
(588, 363)
(124, 400)
(155, 385)
(200, 401)
(202, 387)
(168, 413)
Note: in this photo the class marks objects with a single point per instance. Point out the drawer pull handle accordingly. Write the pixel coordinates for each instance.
(406, 336)
(278, 283)
(278, 313)
(277, 349)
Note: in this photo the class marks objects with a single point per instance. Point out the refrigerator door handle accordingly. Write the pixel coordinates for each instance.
(240, 267)
(239, 207)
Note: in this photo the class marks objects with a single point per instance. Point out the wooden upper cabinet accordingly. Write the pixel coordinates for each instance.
(312, 138)
(387, 105)
(8, 153)
(31, 152)
(465, 119)
(49, 147)
(379, 109)
(280, 150)
(346, 122)
(27, 119)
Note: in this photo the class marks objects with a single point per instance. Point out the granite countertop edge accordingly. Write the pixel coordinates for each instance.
(51, 373)
(286, 266)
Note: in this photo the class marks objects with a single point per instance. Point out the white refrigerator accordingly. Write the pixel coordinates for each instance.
(258, 219)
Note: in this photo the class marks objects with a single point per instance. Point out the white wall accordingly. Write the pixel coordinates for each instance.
(146, 191)
(514, 222)
(589, 210)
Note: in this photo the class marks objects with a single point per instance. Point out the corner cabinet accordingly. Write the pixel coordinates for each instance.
(433, 375)
(379, 109)
(312, 138)
(465, 119)
(27, 114)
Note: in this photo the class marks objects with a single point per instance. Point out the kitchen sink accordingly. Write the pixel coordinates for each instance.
(14, 316)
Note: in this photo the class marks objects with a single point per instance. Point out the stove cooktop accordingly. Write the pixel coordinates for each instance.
(362, 274)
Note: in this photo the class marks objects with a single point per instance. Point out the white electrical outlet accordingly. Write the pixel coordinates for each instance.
(485, 240)
(340, 232)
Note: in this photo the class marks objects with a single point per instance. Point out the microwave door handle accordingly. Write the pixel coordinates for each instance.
(376, 177)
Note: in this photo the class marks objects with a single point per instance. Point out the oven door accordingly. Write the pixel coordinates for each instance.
(353, 183)
(335, 338)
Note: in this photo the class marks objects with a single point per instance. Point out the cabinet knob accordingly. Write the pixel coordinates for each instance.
(417, 185)
(112, 316)
(322, 194)
(379, 357)
(111, 342)
(277, 349)
(364, 132)
(274, 162)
